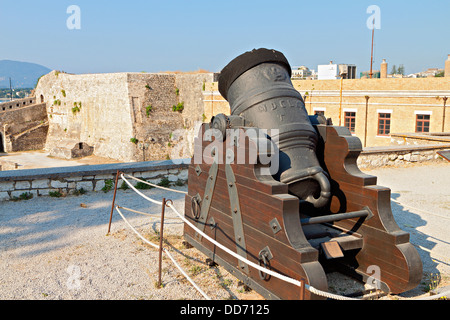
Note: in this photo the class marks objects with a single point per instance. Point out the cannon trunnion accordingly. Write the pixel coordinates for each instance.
(282, 189)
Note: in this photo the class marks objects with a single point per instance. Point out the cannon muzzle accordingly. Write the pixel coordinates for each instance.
(258, 86)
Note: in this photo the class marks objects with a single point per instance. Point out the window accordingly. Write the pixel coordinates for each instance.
(423, 123)
(350, 121)
(384, 124)
(317, 112)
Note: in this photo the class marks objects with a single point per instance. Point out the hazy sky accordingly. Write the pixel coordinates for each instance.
(153, 36)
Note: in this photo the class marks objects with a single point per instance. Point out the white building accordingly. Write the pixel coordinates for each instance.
(303, 72)
(334, 71)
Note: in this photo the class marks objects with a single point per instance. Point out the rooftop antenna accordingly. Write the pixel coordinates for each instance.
(371, 55)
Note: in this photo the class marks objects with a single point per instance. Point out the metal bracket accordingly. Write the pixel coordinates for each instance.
(275, 226)
(237, 217)
(212, 223)
(207, 197)
(198, 170)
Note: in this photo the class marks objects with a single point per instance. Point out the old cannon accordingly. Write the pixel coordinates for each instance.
(282, 189)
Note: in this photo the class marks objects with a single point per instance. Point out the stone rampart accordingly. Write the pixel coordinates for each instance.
(24, 128)
(122, 116)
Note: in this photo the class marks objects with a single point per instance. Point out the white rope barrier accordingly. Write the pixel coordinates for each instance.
(155, 185)
(147, 214)
(140, 193)
(250, 263)
(167, 253)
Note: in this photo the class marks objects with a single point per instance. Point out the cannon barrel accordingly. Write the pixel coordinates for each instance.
(258, 87)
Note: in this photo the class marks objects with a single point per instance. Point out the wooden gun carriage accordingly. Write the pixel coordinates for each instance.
(301, 227)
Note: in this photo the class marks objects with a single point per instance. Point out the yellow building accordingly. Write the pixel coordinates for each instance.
(373, 109)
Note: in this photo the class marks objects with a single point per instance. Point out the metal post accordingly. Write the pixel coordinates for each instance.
(113, 202)
(161, 235)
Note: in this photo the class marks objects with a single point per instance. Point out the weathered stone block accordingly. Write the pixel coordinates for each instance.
(71, 179)
(7, 186)
(45, 192)
(4, 196)
(58, 184)
(22, 185)
(40, 184)
(183, 175)
(105, 177)
(392, 156)
(86, 185)
(99, 185)
(153, 174)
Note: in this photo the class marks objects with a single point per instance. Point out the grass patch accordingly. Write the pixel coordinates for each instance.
(55, 194)
(78, 192)
(165, 182)
(23, 196)
(143, 186)
(178, 108)
(109, 184)
(124, 186)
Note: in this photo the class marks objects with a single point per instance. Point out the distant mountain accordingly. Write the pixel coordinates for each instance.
(23, 74)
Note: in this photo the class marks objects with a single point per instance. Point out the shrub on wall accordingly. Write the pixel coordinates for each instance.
(179, 107)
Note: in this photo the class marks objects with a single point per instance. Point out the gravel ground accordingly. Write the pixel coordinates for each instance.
(53, 249)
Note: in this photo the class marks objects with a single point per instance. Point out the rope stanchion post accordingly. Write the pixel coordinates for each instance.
(114, 200)
(161, 235)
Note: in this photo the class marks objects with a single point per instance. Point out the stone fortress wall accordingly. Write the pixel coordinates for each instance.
(122, 116)
(23, 125)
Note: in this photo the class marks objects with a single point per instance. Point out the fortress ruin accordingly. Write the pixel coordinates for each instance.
(122, 116)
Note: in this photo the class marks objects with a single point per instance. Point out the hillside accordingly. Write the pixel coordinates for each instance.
(23, 74)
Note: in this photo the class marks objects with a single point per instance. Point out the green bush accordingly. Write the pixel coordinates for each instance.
(179, 107)
(23, 196)
(180, 183)
(148, 109)
(55, 194)
(143, 186)
(78, 192)
(109, 184)
(124, 186)
(165, 182)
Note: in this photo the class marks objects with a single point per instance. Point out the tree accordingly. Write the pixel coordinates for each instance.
(401, 70)
(394, 69)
